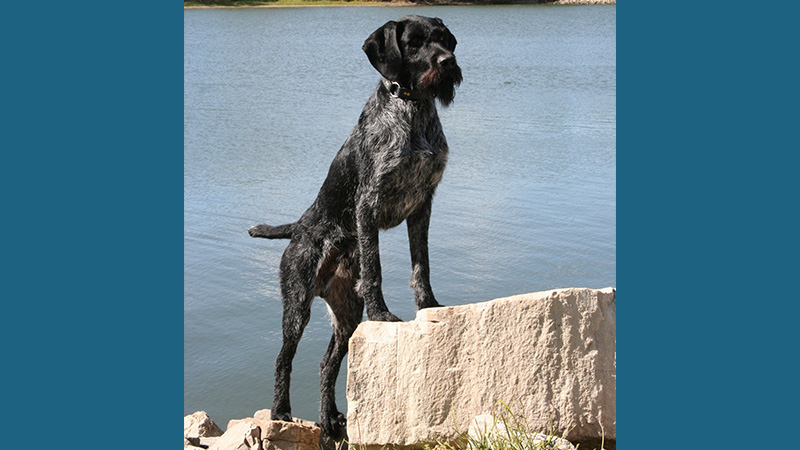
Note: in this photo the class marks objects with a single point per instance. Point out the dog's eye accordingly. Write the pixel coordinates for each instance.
(416, 42)
(443, 41)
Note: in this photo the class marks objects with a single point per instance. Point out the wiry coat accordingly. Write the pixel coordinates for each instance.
(385, 173)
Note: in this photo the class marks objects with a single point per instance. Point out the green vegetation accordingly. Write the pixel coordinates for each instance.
(508, 431)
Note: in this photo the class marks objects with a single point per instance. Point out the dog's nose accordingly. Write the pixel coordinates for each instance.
(446, 60)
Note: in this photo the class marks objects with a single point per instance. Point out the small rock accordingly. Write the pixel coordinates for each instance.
(200, 425)
(245, 435)
(298, 434)
(266, 414)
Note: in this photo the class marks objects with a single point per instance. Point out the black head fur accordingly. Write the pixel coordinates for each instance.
(417, 53)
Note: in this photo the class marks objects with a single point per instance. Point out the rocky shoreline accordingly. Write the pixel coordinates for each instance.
(258, 432)
(261, 433)
(549, 356)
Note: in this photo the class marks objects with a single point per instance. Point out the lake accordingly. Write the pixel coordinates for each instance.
(527, 203)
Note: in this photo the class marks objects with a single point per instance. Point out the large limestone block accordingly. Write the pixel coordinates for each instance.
(551, 356)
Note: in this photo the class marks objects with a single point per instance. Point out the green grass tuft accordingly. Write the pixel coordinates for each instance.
(507, 431)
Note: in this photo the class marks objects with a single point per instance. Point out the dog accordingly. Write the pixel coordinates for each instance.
(385, 173)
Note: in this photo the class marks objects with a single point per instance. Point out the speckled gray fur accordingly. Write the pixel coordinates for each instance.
(385, 173)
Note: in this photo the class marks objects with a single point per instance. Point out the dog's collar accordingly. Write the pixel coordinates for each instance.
(395, 90)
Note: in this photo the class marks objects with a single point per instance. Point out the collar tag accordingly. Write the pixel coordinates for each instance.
(395, 90)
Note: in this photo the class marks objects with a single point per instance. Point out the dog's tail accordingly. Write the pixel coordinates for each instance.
(270, 232)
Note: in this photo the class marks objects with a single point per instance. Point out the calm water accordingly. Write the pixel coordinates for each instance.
(527, 202)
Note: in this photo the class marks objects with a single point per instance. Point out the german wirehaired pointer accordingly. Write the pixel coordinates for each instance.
(386, 172)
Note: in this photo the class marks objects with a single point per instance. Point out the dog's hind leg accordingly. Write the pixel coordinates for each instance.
(298, 271)
(346, 309)
(331, 420)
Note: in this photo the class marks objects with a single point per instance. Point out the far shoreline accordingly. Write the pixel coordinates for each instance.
(344, 3)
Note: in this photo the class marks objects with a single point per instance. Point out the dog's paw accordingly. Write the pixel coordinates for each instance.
(430, 305)
(427, 302)
(335, 426)
(258, 231)
(284, 416)
(385, 316)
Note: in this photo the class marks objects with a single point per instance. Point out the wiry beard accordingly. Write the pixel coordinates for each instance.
(442, 84)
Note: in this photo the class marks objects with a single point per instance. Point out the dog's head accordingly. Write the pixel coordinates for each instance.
(417, 53)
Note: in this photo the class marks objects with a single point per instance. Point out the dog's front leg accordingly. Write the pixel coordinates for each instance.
(420, 267)
(369, 284)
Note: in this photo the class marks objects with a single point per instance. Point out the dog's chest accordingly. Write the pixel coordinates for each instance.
(409, 177)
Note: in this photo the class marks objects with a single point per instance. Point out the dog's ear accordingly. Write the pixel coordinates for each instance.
(383, 51)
